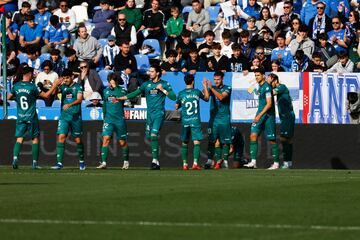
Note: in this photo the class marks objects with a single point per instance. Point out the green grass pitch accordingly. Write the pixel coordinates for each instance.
(173, 204)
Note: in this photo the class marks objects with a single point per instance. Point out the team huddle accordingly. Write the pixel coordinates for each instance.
(223, 139)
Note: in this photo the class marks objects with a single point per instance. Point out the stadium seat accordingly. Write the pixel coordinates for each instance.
(103, 76)
(156, 45)
(44, 56)
(199, 40)
(103, 42)
(214, 13)
(185, 12)
(22, 57)
(143, 63)
(12, 104)
(56, 103)
(40, 103)
(84, 103)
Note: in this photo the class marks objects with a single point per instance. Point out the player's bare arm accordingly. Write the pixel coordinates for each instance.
(265, 109)
(205, 90)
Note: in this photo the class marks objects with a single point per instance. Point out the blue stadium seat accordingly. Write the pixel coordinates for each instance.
(199, 40)
(65, 60)
(44, 56)
(103, 42)
(40, 103)
(56, 103)
(103, 76)
(84, 103)
(12, 104)
(22, 57)
(214, 13)
(186, 9)
(143, 63)
(156, 45)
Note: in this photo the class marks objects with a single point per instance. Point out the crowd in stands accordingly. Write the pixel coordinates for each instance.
(187, 36)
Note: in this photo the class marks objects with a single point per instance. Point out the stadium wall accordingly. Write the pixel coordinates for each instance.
(316, 146)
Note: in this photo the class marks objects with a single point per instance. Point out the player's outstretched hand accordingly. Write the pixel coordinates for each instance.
(58, 81)
(204, 82)
(160, 87)
(209, 83)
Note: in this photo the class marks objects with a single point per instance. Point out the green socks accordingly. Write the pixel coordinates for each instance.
(218, 153)
(104, 153)
(210, 151)
(155, 147)
(287, 151)
(225, 152)
(253, 150)
(60, 152)
(35, 152)
(184, 153)
(196, 153)
(125, 152)
(80, 151)
(17, 148)
(275, 152)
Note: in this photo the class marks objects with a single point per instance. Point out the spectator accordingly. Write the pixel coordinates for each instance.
(89, 79)
(12, 32)
(124, 32)
(42, 18)
(292, 34)
(316, 65)
(56, 36)
(320, 23)
(283, 24)
(20, 16)
(58, 65)
(170, 65)
(152, 25)
(174, 27)
(282, 53)
(253, 9)
(125, 59)
(252, 29)
(233, 23)
(87, 47)
(218, 62)
(184, 46)
(350, 24)
(194, 63)
(308, 11)
(45, 80)
(265, 19)
(95, 99)
(335, 6)
(255, 64)
(354, 49)
(238, 62)
(302, 42)
(300, 62)
(337, 37)
(31, 2)
(110, 52)
(205, 48)
(198, 20)
(246, 49)
(260, 55)
(30, 34)
(344, 64)
(132, 14)
(276, 67)
(353, 106)
(73, 63)
(327, 51)
(166, 5)
(226, 45)
(267, 42)
(104, 20)
(33, 59)
(66, 16)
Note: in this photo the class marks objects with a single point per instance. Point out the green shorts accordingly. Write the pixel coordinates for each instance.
(221, 132)
(30, 127)
(287, 126)
(267, 123)
(75, 126)
(153, 125)
(119, 128)
(196, 133)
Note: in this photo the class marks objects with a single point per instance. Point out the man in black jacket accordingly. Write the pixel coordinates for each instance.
(125, 59)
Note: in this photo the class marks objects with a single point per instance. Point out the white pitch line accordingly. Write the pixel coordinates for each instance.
(182, 224)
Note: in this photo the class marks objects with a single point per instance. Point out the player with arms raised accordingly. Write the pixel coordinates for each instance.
(219, 125)
(287, 118)
(264, 120)
(155, 91)
(70, 119)
(114, 121)
(188, 100)
(25, 93)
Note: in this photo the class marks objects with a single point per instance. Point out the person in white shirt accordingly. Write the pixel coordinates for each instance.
(66, 16)
(45, 80)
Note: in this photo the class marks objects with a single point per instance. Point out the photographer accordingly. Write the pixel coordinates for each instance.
(353, 106)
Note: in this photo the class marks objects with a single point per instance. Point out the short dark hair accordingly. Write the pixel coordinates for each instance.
(226, 35)
(31, 50)
(27, 70)
(342, 54)
(186, 33)
(316, 55)
(281, 35)
(216, 46)
(29, 17)
(67, 73)
(195, 1)
(260, 69)
(274, 76)
(209, 33)
(25, 5)
(47, 63)
(303, 28)
(219, 74)
(69, 52)
(171, 53)
(244, 34)
(323, 36)
(113, 76)
(55, 52)
(41, 5)
(54, 20)
(157, 69)
(235, 47)
(288, 2)
(189, 79)
(299, 54)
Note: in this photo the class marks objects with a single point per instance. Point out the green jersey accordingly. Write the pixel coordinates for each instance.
(113, 112)
(26, 94)
(155, 99)
(188, 100)
(264, 92)
(284, 100)
(69, 95)
(220, 110)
